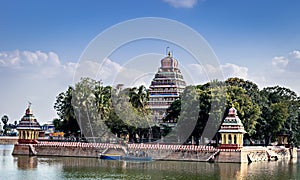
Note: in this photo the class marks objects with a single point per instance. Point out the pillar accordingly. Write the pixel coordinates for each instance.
(226, 139)
(36, 135)
(241, 139)
(222, 138)
(30, 135)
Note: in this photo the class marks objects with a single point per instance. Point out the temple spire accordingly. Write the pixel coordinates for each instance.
(29, 104)
(167, 50)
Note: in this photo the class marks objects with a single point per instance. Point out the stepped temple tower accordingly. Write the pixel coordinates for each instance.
(28, 128)
(232, 131)
(165, 87)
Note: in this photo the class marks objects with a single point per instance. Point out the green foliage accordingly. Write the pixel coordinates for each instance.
(280, 114)
(105, 112)
(173, 112)
(4, 119)
(65, 111)
(131, 106)
(101, 113)
(248, 112)
(57, 124)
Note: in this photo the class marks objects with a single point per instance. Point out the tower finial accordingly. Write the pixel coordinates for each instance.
(168, 51)
(29, 104)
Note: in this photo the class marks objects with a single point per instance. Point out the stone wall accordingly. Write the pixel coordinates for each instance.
(232, 156)
(20, 149)
(8, 140)
(57, 149)
(66, 151)
(157, 152)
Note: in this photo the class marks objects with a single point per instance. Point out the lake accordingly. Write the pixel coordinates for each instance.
(42, 168)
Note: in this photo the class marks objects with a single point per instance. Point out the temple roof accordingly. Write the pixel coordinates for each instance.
(232, 123)
(169, 62)
(28, 121)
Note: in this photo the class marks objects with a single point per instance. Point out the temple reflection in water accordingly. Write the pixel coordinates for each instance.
(161, 169)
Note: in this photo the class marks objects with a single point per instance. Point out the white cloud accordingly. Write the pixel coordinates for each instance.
(203, 73)
(182, 3)
(295, 54)
(10, 59)
(39, 77)
(289, 63)
(109, 68)
(280, 61)
(23, 59)
(104, 71)
(233, 70)
(32, 76)
(282, 71)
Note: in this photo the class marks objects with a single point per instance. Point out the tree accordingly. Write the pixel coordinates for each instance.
(282, 103)
(65, 111)
(251, 89)
(57, 124)
(248, 111)
(212, 101)
(103, 99)
(131, 104)
(5, 120)
(173, 111)
(92, 105)
(274, 118)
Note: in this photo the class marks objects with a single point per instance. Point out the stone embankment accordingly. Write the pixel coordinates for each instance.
(8, 140)
(156, 151)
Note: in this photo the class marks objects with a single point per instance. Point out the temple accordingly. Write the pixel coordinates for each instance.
(232, 131)
(28, 128)
(165, 87)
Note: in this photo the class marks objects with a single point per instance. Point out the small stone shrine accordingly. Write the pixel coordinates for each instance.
(232, 131)
(28, 128)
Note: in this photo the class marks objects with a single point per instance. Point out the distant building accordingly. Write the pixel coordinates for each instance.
(165, 87)
(48, 128)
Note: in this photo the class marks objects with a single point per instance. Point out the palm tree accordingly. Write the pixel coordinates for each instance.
(103, 100)
(65, 110)
(139, 99)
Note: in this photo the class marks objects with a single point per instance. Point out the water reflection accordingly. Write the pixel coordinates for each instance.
(26, 162)
(76, 168)
(23, 167)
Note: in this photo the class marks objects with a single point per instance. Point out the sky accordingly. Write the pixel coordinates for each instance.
(42, 44)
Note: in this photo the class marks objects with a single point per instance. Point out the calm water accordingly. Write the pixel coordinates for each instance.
(42, 168)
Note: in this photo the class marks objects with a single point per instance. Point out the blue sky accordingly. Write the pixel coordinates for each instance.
(41, 42)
